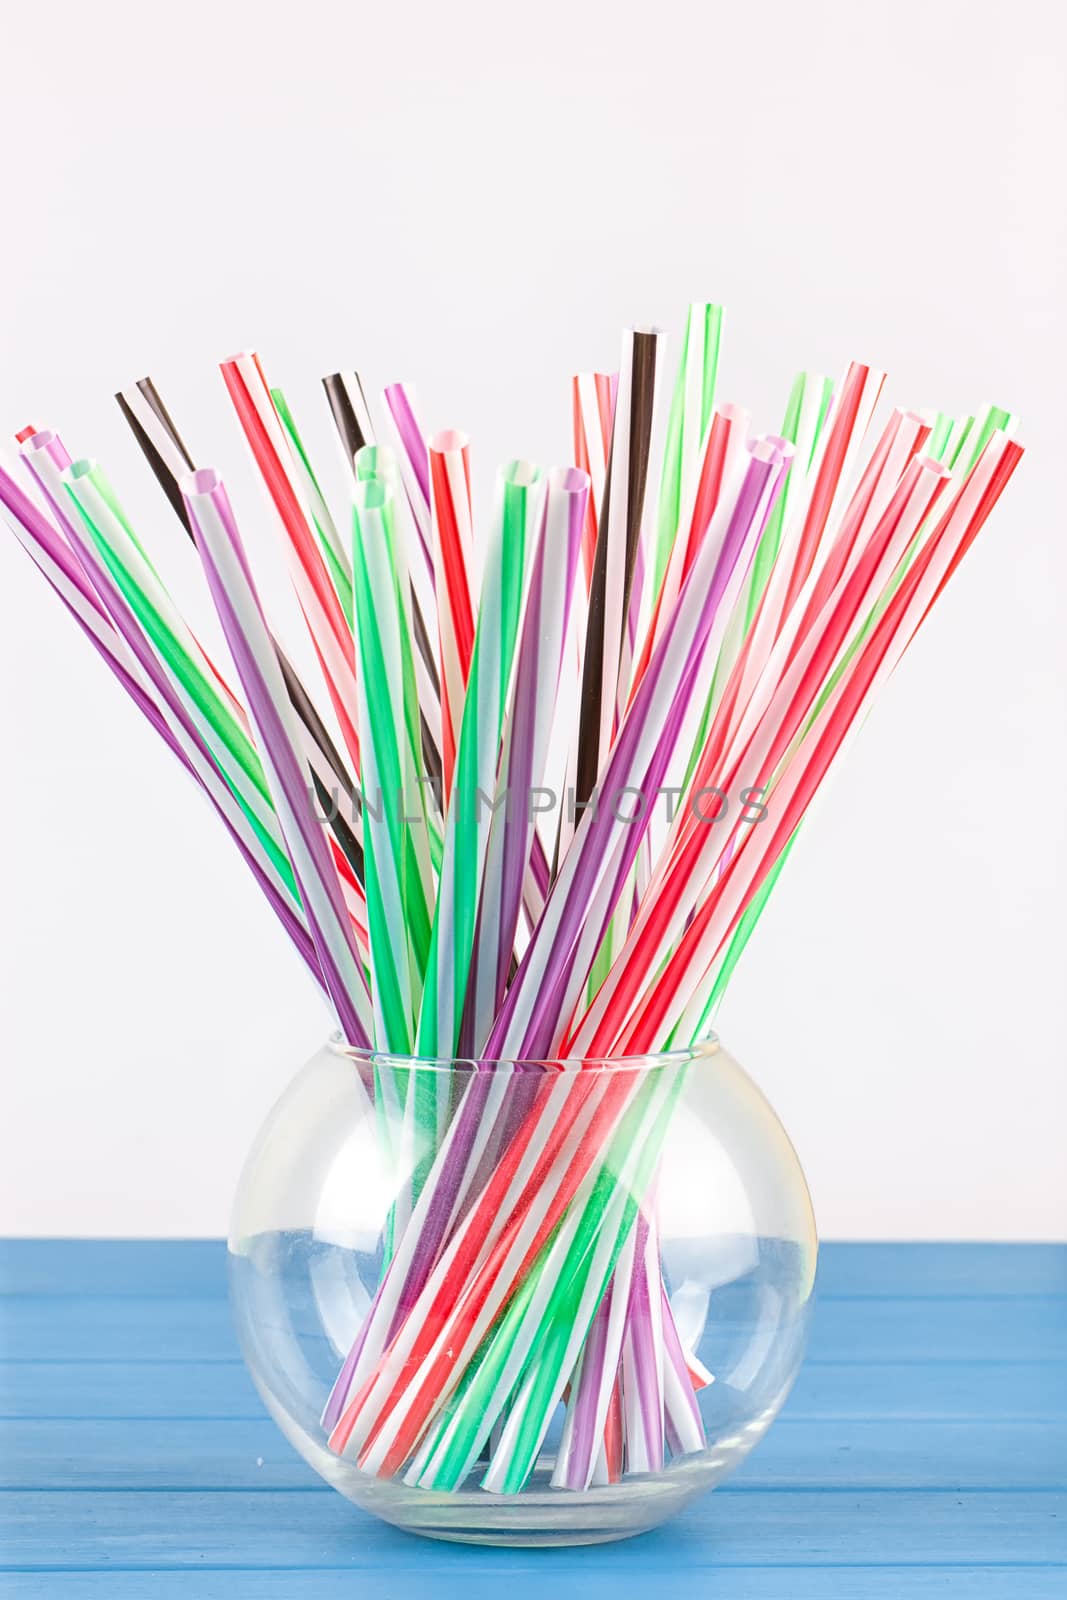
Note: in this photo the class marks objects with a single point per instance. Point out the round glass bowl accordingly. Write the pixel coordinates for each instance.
(522, 1303)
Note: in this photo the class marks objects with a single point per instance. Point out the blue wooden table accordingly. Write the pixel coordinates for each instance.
(923, 1451)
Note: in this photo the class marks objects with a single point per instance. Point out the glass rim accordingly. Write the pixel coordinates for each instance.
(702, 1050)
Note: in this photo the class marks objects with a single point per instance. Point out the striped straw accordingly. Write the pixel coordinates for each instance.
(249, 639)
(805, 418)
(410, 441)
(331, 543)
(68, 578)
(330, 633)
(526, 1025)
(408, 438)
(841, 442)
(606, 656)
(51, 467)
(596, 1121)
(579, 1283)
(526, 738)
(593, 403)
(518, 500)
(690, 416)
(592, 408)
(529, 1020)
(450, 500)
(682, 988)
(723, 447)
(399, 885)
(170, 460)
(686, 874)
(217, 717)
(352, 421)
(350, 413)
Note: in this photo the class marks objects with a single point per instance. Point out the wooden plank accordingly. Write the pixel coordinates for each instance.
(92, 1328)
(286, 1530)
(927, 1428)
(1024, 1328)
(949, 1391)
(179, 1267)
(842, 1454)
(946, 1390)
(173, 1267)
(416, 1574)
(159, 1389)
(924, 1270)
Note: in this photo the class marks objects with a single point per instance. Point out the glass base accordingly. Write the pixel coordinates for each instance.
(691, 1301)
(540, 1516)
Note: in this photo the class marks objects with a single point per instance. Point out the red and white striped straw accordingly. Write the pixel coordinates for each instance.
(452, 534)
(327, 625)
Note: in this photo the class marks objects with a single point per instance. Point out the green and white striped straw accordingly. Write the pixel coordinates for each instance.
(213, 711)
(691, 407)
(396, 843)
(531, 1351)
(331, 543)
(516, 513)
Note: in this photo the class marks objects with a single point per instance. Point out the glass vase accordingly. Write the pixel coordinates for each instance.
(522, 1302)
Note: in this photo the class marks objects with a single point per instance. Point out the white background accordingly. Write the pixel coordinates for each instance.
(479, 197)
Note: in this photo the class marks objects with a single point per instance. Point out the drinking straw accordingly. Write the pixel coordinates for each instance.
(690, 415)
(518, 499)
(330, 541)
(415, 469)
(595, 1381)
(685, 877)
(399, 886)
(578, 1288)
(244, 624)
(525, 1024)
(805, 417)
(450, 506)
(57, 563)
(393, 1415)
(170, 460)
(739, 939)
(526, 1031)
(723, 447)
(902, 438)
(350, 413)
(842, 440)
(158, 438)
(642, 1353)
(605, 660)
(593, 403)
(521, 1265)
(413, 456)
(593, 408)
(349, 408)
(256, 834)
(941, 427)
(670, 1007)
(215, 714)
(532, 1020)
(525, 745)
(416, 1293)
(724, 966)
(330, 633)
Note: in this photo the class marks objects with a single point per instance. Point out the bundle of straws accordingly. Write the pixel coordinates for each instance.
(718, 636)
